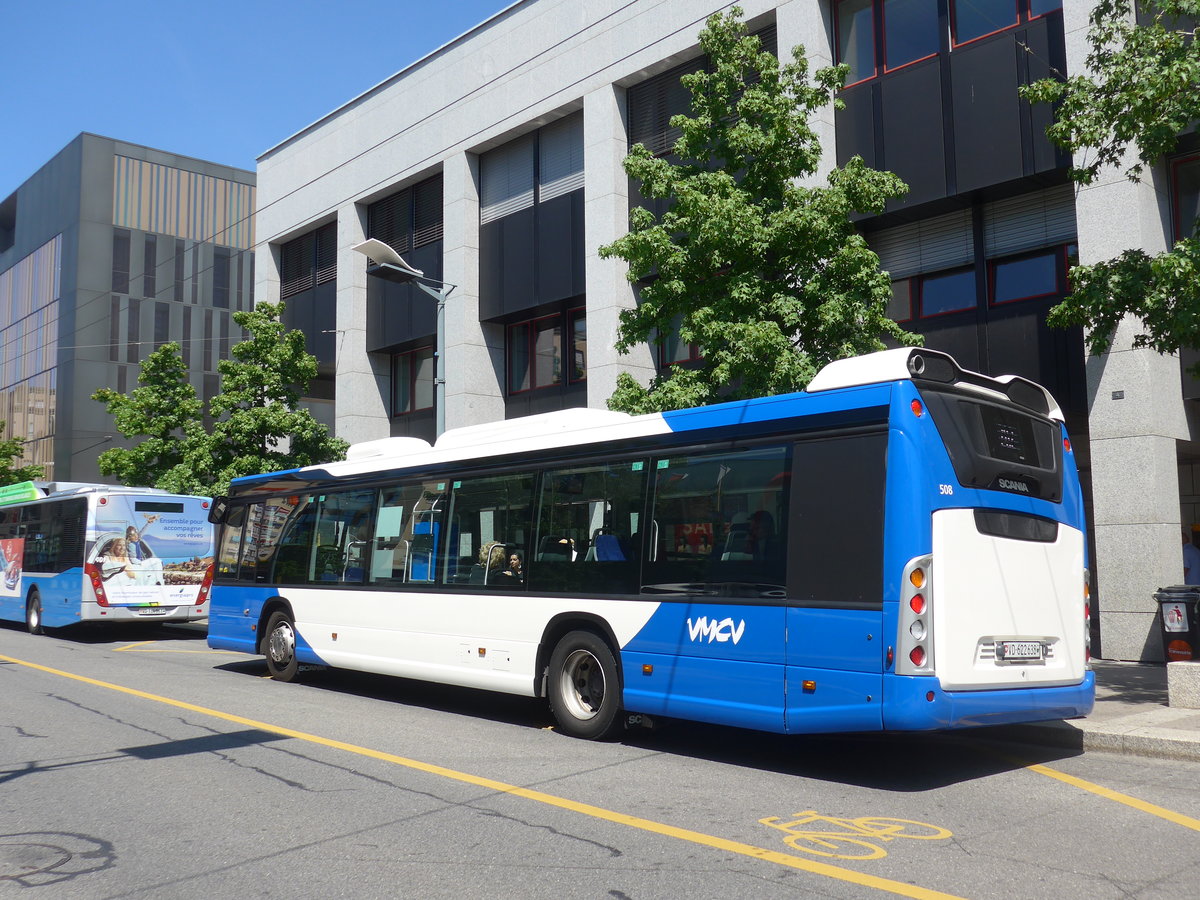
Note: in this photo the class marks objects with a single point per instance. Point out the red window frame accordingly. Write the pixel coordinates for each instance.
(1059, 255)
(918, 302)
(409, 358)
(531, 353)
(574, 316)
(1032, 16)
(955, 43)
(875, 6)
(882, 4)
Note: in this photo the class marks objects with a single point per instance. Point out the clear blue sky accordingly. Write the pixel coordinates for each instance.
(222, 80)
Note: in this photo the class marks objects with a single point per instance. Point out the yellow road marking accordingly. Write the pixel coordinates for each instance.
(597, 812)
(1117, 796)
(142, 647)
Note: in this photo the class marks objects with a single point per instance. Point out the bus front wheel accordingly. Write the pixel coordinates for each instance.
(584, 687)
(33, 613)
(279, 647)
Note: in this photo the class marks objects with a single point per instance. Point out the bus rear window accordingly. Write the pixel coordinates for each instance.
(997, 446)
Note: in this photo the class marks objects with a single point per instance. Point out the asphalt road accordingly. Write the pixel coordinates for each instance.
(142, 764)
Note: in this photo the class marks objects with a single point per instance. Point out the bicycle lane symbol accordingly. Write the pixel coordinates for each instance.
(850, 838)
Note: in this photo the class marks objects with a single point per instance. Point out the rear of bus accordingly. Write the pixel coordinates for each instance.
(147, 556)
(986, 583)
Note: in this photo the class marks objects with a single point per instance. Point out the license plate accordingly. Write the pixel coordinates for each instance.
(1018, 650)
(153, 611)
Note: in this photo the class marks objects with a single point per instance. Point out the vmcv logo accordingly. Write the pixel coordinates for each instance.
(721, 631)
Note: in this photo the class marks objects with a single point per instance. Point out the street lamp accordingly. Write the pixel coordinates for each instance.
(391, 266)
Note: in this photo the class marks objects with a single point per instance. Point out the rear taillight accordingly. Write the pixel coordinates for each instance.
(1087, 617)
(205, 586)
(92, 572)
(915, 640)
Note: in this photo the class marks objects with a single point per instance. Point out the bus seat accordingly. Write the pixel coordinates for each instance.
(608, 548)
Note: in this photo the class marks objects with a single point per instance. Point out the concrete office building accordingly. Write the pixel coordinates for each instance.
(107, 252)
(494, 163)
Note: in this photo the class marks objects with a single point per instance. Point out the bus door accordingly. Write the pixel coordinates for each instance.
(835, 641)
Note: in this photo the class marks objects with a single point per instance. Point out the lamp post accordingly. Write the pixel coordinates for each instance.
(391, 266)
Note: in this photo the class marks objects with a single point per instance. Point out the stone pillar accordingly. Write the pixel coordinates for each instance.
(474, 350)
(1135, 416)
(606, 217)
(362, 380)
(806, 24)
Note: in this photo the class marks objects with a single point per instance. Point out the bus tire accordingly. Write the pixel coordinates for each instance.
(33, 613)
(584, 687)
(279, 646)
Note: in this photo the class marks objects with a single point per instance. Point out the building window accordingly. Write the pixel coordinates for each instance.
(532, 169)
(1026, 277)
(1043, 7)
(973, 19)
(412, 381)
(535, 354)
(899, 308)
(856, 38)
(120, 262)
(305, 262)
(578, 345)
(150, 267)
(1185, 190)
(220, 294)
(947, 292)
(910, 31)
(409, 218)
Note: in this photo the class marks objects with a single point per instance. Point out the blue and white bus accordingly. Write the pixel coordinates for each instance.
(72, 552)
(900, 547)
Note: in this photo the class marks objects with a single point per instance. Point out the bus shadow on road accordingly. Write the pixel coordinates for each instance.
(902, 762)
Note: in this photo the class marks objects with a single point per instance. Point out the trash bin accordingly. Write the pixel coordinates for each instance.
(1177, 608)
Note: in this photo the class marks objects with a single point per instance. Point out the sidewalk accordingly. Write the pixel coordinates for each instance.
(1131, 716)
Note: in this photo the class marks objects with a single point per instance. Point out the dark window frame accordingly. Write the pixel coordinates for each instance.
(1191, 159)
(531, 345)
(410, 358)
(574, 315)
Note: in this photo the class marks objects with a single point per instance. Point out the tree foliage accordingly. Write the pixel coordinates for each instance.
(256, 424)
(11, 450)
(769, 277)
(1141, 89)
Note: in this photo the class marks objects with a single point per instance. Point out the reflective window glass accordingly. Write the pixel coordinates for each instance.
(588, 535)
(910, 31)
(718, 524)
(950, 292)
(974, 18)
(490, 521)
(1186, 177)
(856, 38)
(1031, 276)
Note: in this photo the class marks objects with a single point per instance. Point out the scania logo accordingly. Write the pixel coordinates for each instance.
(1010, 485)
(720, 631)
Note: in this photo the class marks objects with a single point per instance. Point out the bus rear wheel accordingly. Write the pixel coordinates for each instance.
(279, 646)
(584, 687)
(33, 613)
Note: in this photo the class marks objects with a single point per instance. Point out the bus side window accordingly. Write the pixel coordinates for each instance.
(343, 538)
(490, 519)
(720, 523)
(407, 534)
(231, 542)
(588, 535)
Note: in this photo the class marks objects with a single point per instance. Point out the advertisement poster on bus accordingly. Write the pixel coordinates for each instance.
(151, 551)
(12, 551)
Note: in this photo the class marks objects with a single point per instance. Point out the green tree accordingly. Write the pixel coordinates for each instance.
(11, 450)
(767, 276)
(257, 426)
(1141, 89)
(256, 411)
(159, 412)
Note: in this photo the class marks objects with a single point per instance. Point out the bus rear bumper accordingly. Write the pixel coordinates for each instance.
(920, 704)
(94, 612)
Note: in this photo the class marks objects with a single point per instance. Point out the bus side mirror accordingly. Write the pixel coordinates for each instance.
(216, 513)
